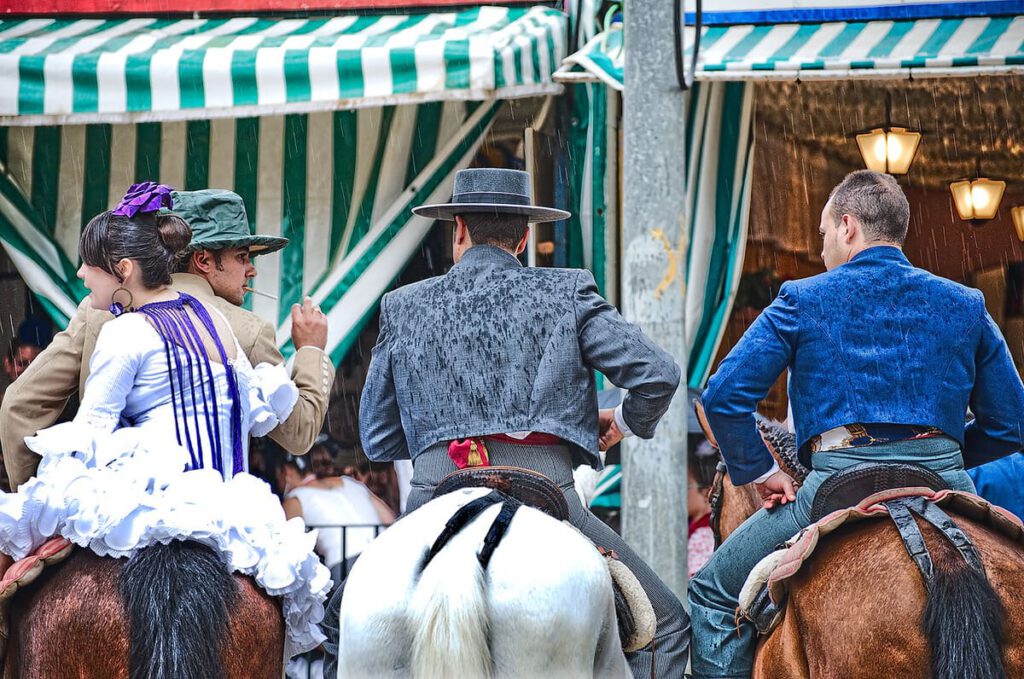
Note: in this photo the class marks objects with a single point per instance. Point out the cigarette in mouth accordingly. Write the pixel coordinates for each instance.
(261, 294)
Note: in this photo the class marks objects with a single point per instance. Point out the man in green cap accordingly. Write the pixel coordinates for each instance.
(222, 248)
(215, 269)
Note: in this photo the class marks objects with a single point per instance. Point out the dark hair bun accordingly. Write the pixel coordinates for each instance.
(175, 234)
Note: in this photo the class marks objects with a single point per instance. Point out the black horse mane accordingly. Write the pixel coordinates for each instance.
(783, 444)
(187, 643)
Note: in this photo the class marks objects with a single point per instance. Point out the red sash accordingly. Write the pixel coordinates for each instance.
(472, 452)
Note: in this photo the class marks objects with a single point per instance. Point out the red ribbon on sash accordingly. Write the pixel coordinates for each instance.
(469, 452)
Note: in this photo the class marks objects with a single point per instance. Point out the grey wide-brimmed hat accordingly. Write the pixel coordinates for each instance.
(491, 191)
(218, 221)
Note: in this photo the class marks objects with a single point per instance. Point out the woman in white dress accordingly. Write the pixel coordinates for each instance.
(329, 500)
(158, 449)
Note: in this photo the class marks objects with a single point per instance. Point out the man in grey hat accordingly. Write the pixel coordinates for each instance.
(215, 271)
(503, 357)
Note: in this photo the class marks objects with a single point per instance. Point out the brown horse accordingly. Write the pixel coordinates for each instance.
(172, 611)
(859, 609)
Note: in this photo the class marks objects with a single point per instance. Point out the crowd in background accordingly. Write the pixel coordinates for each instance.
(33, 334)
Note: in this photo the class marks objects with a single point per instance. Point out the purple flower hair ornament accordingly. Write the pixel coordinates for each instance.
(144, 197)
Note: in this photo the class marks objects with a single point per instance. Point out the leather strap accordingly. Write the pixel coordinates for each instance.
(910, 533)
(902, 510)
(497, 530)
(715, 498)
(460, 519)
(765, 613)
(933, 514)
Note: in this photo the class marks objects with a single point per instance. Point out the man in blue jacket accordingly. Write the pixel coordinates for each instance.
(884, 359)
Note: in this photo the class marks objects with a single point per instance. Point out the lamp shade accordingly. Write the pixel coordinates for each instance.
(1017, 212)
(977, 199)
(889, 149)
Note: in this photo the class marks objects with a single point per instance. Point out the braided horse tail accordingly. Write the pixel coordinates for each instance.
(178, 598)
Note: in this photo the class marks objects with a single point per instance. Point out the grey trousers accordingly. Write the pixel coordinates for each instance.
(665, 657)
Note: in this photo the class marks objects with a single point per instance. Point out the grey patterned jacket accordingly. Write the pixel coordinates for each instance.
(493, 347)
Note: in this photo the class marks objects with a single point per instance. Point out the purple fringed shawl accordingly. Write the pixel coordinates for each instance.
(192, 382)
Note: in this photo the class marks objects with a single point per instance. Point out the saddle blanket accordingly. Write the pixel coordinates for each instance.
(775, 570)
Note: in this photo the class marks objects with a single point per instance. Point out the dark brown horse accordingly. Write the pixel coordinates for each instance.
(859, 609)
(172, 611)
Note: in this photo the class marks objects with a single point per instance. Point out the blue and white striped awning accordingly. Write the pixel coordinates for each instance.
(60, 71)
(838, 50)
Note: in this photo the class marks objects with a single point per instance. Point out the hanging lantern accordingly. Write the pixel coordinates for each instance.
(1017, 212)
(977, 199)
(889, 149)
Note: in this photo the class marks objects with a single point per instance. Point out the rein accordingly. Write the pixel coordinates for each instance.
(715, 500)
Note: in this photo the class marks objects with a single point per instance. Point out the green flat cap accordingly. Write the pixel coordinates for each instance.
(218, 221)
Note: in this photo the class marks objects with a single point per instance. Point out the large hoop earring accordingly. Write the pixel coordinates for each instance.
(116, 307)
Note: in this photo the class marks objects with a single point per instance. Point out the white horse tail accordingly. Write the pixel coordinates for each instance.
(449, 618)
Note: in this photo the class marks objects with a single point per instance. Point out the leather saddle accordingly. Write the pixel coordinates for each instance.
(848, 487)
(529, 487)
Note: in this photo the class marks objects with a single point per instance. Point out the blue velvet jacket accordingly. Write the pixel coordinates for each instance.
(875, 340)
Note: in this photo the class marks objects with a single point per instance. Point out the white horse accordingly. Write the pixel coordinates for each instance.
(543, 608)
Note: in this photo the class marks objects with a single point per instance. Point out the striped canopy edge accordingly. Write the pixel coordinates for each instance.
(966, 46)
(351, 236)
(145, 69)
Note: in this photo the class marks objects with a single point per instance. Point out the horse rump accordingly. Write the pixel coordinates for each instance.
(178, 598)
(964, 621)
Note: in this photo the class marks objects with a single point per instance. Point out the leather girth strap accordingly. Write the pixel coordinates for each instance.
(902, 510)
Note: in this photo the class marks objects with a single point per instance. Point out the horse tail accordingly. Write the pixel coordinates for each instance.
(178, 597)
(964, 621)
(449, 617)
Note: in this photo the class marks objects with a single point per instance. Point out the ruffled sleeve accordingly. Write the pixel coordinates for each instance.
(272, 396)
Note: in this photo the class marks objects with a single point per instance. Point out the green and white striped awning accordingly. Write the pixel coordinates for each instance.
(340, 185)
(839, 50)
(59, 71)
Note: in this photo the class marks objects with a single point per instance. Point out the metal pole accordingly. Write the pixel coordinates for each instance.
(654, 520)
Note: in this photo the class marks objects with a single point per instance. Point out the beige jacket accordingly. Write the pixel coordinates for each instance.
(38, 397)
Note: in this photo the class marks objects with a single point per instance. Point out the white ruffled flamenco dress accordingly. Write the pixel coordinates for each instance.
(116, 480)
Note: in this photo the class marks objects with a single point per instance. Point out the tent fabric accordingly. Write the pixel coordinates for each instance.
(834, 50)
(719, 171)
(593, 171)
(118, 70)
(339, 184)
